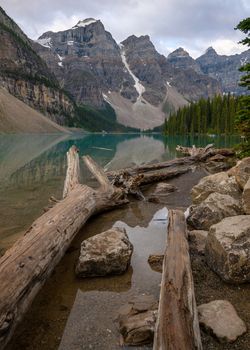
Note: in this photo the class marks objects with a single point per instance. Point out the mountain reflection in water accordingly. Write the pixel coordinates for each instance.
(33, 167)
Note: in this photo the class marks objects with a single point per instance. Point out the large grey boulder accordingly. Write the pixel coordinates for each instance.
(220, 318)
(220, 183)
(241, 172)
(106, 253)
(227, 249)
(212, 210)
(246, 197)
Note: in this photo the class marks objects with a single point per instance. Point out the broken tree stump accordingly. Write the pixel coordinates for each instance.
(177, 326)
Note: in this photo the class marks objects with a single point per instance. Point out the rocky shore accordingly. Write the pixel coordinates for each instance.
(219, 224)
(219, 237)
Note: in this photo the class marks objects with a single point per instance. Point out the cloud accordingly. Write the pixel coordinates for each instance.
(193, 24)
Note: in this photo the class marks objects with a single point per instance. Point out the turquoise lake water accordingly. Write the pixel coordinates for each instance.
(32, 167)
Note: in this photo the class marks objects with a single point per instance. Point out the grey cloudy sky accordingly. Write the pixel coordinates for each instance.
(192, 24)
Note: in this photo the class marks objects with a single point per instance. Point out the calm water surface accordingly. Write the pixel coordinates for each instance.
(32, 168)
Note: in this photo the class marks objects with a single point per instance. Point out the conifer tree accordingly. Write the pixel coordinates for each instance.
(243, 115)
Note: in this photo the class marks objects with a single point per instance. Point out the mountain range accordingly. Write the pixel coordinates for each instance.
(81, 77)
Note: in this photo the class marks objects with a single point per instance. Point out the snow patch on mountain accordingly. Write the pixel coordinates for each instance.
(138, 86)
(45, 42)
(84, 23)
(60, 64)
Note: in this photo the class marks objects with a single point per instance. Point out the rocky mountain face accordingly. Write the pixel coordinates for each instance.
(181, 59)
(132, 77)
(158, 73)
(87, 61)
(224, 68)
(25, 75)
(17, 117)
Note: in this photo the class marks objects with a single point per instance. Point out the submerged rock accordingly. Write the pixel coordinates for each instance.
(155, 261)
(164, 188)
(106, 253)
(241, 172)
(220, 318)
(227, 249)
(137, 320)
(212, 210)
(220, 183)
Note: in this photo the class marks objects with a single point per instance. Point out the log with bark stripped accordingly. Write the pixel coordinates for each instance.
(201, 154)
(142, 169)
(194, 151)
(131, 184)
(25, 267)
(177, 326)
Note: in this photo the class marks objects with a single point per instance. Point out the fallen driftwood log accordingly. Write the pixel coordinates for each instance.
(25, 267)
(194, 151)
(177, 326)
(130, 179)
(131, 184)
(202, 154)
(173, 163)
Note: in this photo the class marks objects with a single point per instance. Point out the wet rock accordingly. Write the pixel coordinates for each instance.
(220, 318)
(220, 183)
(137, 320)
(155, 261)
(106, 253)
(197, 241)
(216, 167)
(218, 163)
(241, 172)
(212, 210)
(246, 197)
(227, 249)
(138, 329)
(163, 188)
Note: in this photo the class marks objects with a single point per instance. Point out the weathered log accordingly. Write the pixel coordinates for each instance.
(73, 171)
(25, 267)
(226, 152)
(194, 151)
(201, 154)
(131, 184)
(157, 177)
(173, 163)
(177, 326)
(206, 152)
